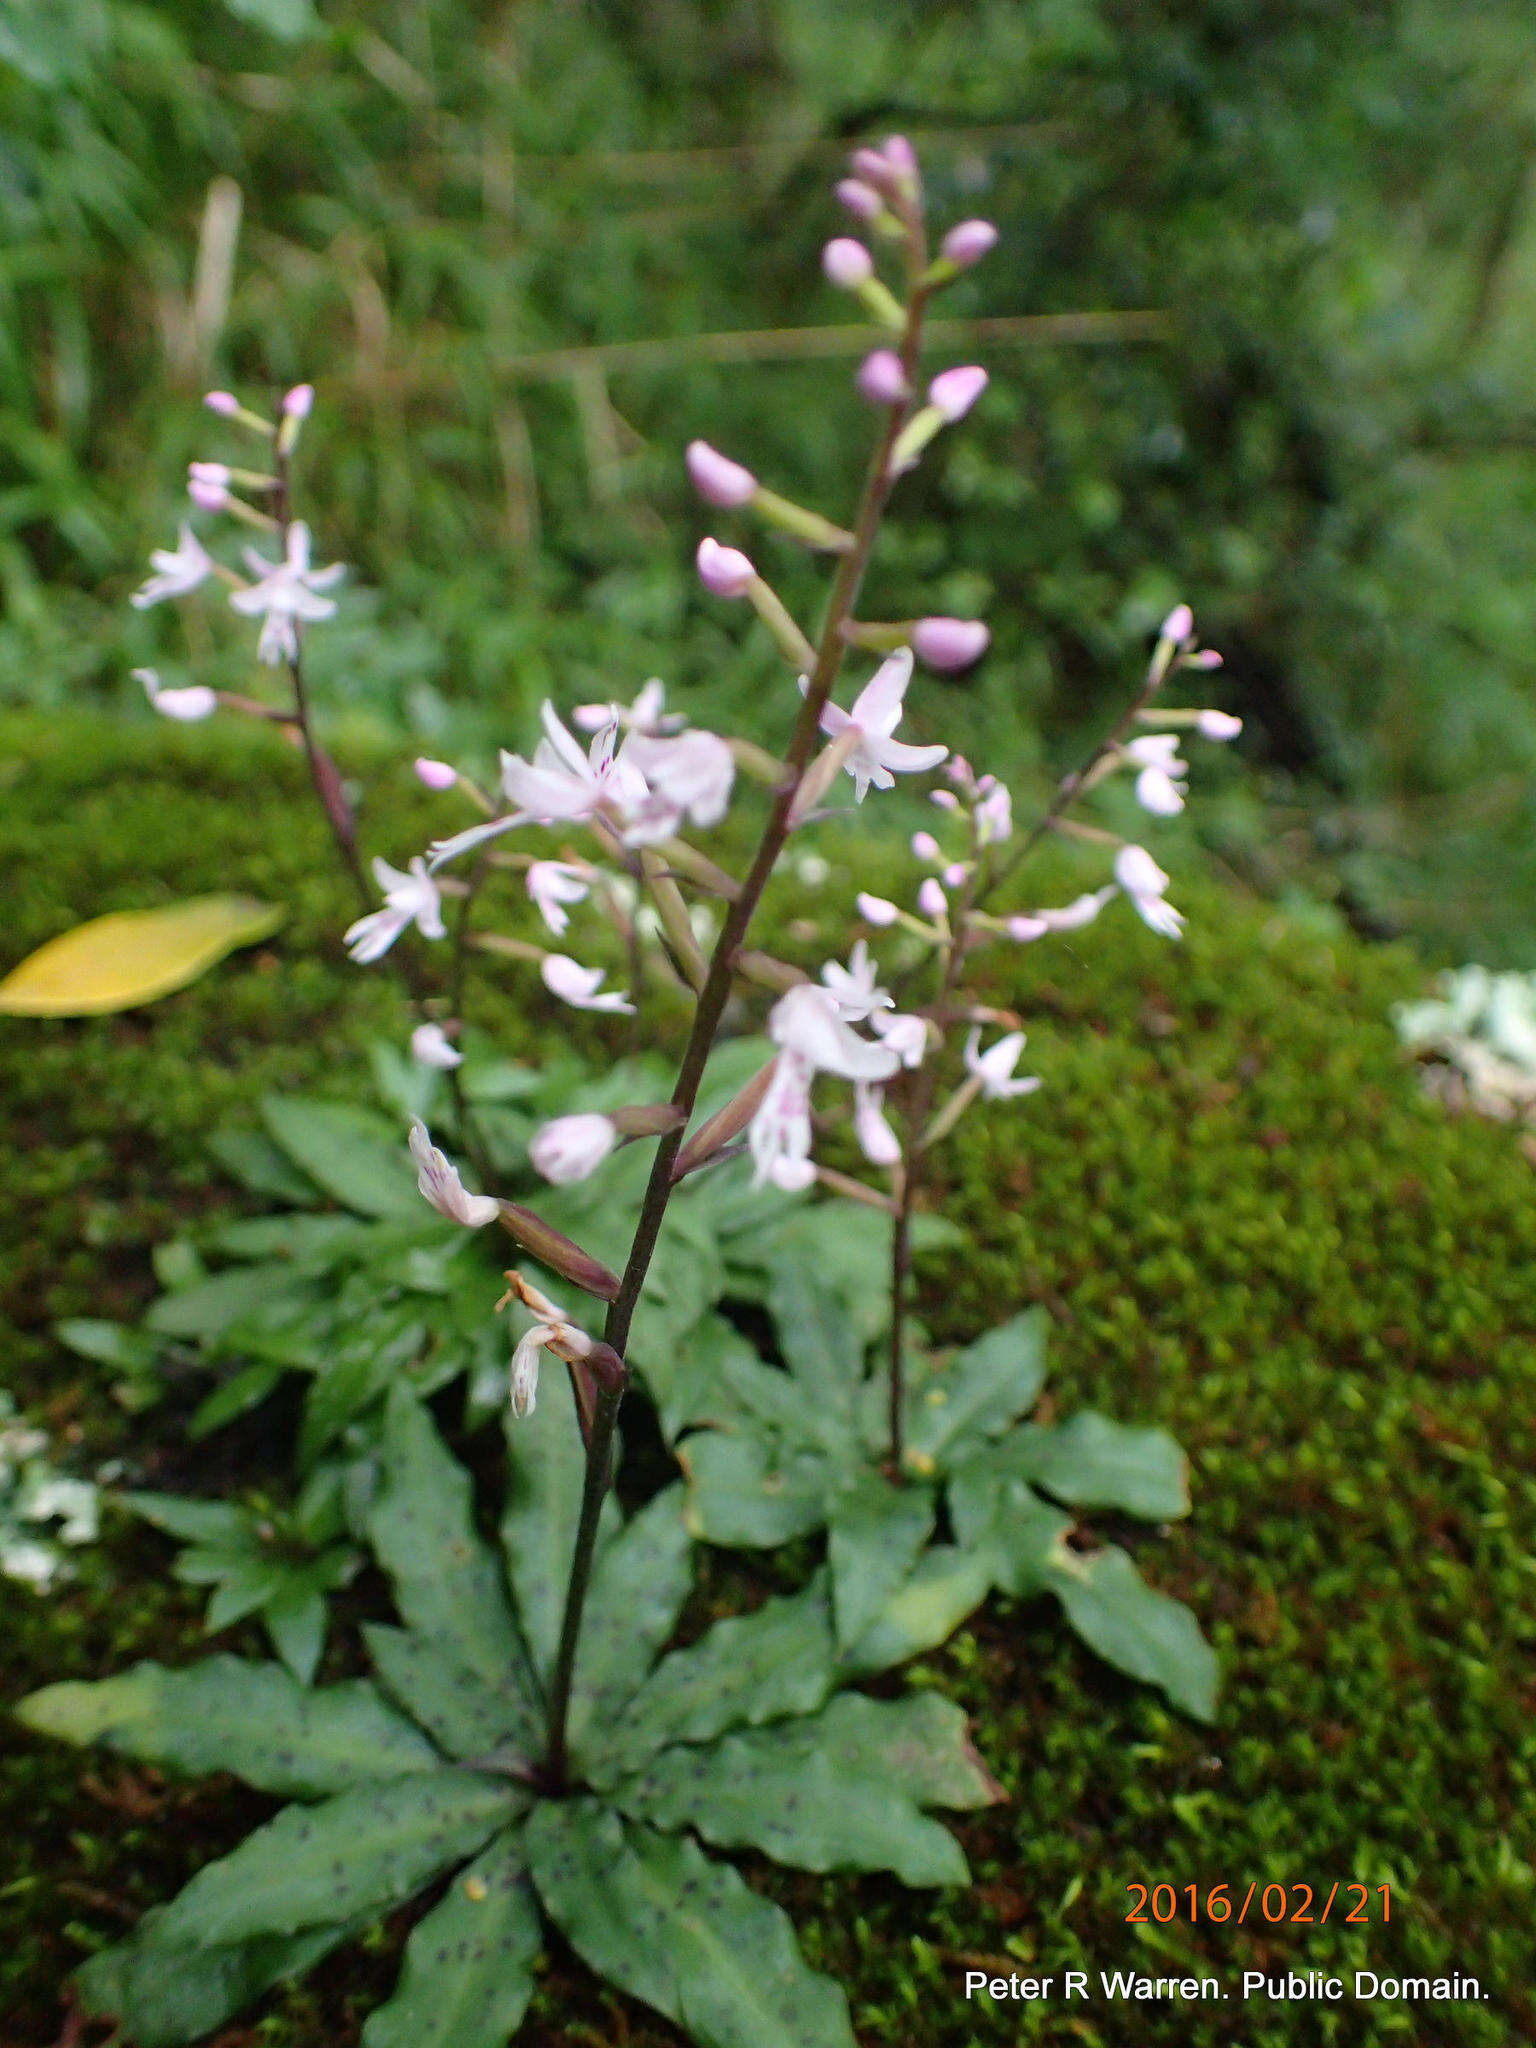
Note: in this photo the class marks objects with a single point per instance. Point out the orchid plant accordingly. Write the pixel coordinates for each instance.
(513, 1729)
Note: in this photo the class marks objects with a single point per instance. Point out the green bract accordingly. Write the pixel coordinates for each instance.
(801, 1447)
(427, 1777)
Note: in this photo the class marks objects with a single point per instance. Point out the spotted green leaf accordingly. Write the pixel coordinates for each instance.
(1140, 1631)
(947, 1584)
(655, 1916)
(639, 1583)
(164, 1993)
(1092, 1462)
(538, 1524)
(874, 1533)
(745, 1490)
(225, 1714)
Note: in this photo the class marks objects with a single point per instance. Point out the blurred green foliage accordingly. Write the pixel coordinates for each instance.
(1248, 1223)
(1329, 452)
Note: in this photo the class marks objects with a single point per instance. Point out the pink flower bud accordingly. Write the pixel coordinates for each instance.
(725, 571)
(901, 156)
(871, 166)
(209, 473)
(1026, 928)
(875, 909)
(881, 378)
(847, 263)
(954, 874)
(949, 643)
(224, 402)
(717, 479)
(1218, 725)
(299, 402)
(931, 900)
(925, 846)
(954, 392)
(861, 200)
(1178, 625)
(1207, 657)
(968, 242)
(436, 774)
(945, 799)
(206, 496)
(571, 1147)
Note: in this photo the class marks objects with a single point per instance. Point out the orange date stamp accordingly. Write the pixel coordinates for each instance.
(1295, 1905)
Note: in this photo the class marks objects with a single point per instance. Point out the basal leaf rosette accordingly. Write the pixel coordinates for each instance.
(803, 1445)
(424, 1779)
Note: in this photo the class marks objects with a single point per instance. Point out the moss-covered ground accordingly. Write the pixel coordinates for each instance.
(1247, 1224)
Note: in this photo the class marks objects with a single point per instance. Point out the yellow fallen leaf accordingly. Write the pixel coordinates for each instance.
(133, 956)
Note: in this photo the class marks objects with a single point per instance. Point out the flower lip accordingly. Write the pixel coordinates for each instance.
(439, 1183)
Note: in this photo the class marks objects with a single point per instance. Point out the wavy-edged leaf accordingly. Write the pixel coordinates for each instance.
(745, 1492)
(468, 1970)
(948, 1584)
(639, 1583)
(463, 1713)
(260, 1297)
(688, 1383)
(226, 1714)
(367, 1849)
(446, 1579)
(1147, 1634)
(295, 1622)
(354, 1155)
(163, 1994)
(874, 1533)
(656, 1917)
(920, 1742)
(546, 1464)
(1093, 1462)
(747, 1669)
(974, 1393)
(194, 1521)
(777, 1790)
(133, 956)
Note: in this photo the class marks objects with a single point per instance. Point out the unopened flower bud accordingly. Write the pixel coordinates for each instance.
(931, 900)
(571, 1147)
(223, 402)
(435, 774)
(1218, 725)
(208, 497)
(1204, 657)
(877, 910)
(955, 391)
(949, 643)
(925, 846)
(1178, 625)
(954, 874)
(717, 479)
(881, 378)
(299, 402)
(725, 571)
(861, 200)
(430, 1047)
(847, 263)
(945, 799)
(968, 242)
(1026, 928)
(216, 473)
(901, 156)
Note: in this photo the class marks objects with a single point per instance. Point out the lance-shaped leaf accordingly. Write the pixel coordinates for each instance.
(1137, 1629)
(746, 1492)
(822, 1349)
(639, 1584)
(973, 1393)
(688, 1381)
(468, 1970)
(228, 1715)
(464, 1714)
(652, 1914)
(920, 1742)
(133, 956)
(1095, 1463)
(447, 1583)
(947, 1585)
(777, 1789)
(560, 1253)
(748, 1669)
(260, 1167)
(355, 1155)
(543, 1504)
(875, 1532)
(164, 1993)
(368, 1849)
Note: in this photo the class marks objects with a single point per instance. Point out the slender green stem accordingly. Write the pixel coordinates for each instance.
(596, 1481)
